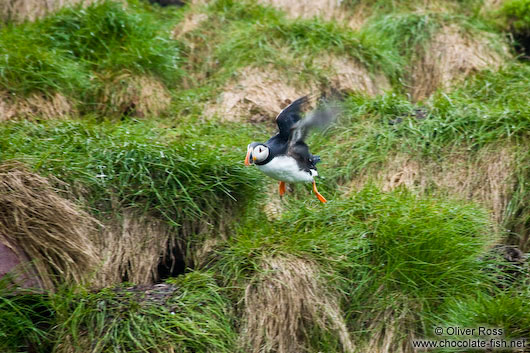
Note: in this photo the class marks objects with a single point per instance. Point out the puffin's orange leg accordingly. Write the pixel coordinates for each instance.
(282, 188)
(320, 197)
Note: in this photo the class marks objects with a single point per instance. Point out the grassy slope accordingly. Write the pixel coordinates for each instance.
(143, 164)
(419, 254)
(77, 53)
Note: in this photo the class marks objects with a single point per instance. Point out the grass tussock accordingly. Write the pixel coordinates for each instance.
(286, 304)
(393, 329)
(169, 172)
(434, 49)
(99, 55)
(187, 314)
(52, 231)
(349, 76)
(486, 177)
(394, 256)
(21, 10)
(258, 95)
(327, 9)
(508, 310)
(126, 94)
(238, 35)
(132, 247)
(141, 180)
(36, 106)
(451, 55)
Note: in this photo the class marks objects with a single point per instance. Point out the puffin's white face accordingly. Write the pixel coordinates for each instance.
(260, 153)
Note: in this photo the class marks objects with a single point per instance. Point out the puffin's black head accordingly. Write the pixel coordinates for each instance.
(256, 152)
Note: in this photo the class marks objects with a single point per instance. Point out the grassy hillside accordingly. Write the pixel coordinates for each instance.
(128, 221)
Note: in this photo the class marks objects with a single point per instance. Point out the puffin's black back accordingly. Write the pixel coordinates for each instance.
(300, 152)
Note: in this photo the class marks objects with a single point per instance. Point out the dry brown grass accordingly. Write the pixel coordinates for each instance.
(487, 178)
(120, 93)
(200, 239)
(353, 14)
(272, 205)
(391, 330)
(20, 10)
(191, 21)
(492, 5)
(285, 303)
(126, 93)
(50, 230)
(36, 106)
(132, 245)
(200, 61)
(451, 56)
(257, 95)
(325, 9)
(348, 76)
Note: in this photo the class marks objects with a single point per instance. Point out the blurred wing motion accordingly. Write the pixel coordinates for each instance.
(320, 118)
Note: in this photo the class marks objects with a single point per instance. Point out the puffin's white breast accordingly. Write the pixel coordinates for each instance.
(285, 168)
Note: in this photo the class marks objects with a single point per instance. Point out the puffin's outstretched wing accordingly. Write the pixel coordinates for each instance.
(290, 116)
(319, 118)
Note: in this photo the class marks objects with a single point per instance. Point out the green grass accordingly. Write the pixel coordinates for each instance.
(419, 256)
(404, 36)
(66, 51)
(382, 7)
(517, 14)
(508, 310)
(191, 316)
(195, 317)
(106, 36)
(163, 171)
(239, 34)
(488, 108)
(27, 67)
(25, 318)
(405, 32)
(413, 252)
(261, 42)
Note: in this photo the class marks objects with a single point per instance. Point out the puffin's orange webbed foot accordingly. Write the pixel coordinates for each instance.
(282, 188)
(320, 197)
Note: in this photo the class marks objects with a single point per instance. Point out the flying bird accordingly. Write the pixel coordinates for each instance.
(285, 156)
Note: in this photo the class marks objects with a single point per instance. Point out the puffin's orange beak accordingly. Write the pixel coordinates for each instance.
(247, 158)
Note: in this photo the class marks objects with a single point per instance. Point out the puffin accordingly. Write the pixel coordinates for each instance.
(285, 156)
